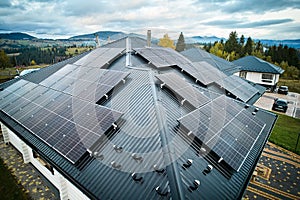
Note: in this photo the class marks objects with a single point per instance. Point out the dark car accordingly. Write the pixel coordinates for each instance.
(283, 90)
(280, 105)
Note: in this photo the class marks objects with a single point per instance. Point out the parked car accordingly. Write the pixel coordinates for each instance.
(283, 90)
(280, 105)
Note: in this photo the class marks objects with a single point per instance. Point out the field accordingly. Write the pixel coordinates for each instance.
(285, 133)
(9, 73)
(76, 50)
(294, 85)
(9, 189)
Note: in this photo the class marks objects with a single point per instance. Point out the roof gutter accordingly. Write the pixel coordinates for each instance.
(243, 189)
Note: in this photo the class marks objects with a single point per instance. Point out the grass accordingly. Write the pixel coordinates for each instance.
(285, 133)
(9, 189)
(72, 50)
(9, 73)
(294, 85)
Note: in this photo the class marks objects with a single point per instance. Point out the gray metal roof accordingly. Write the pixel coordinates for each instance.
(197, 55)
(254, 64)
(146, 156)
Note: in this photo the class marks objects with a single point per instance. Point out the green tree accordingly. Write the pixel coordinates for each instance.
(180, 46)
(4, 60)
(232, 43)
(248, 46)
(166, 42)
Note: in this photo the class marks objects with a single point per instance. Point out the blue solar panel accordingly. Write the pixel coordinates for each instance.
(66, 123)
(226, 128)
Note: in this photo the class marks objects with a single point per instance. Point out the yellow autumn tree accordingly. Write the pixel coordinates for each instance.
(166, 42)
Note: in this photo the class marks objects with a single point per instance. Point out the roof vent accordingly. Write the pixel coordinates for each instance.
(118, 149)
(208, 169)
(158, 190)
(158, 170)
(253, 113)
(256, 109)
(194, 186)
(115, 165)
(137, 157)
(188, 163)
(98, 155)
(137, 178)
(246, 106)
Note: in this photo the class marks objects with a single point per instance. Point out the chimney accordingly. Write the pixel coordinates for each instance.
(97, 40)
(128, 51)
(149, 38)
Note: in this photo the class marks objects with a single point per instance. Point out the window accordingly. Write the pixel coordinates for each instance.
(243, 74)
(42, 161)
(268, 78)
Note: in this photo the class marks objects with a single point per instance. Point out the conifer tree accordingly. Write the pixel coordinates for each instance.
(180, 46)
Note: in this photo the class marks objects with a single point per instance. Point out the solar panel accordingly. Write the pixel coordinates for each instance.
(238, 87)
(84, 82)
(203, 72)
(183, 89)
(231, 135)
(67, 124)
(99, 57)
(162, 57)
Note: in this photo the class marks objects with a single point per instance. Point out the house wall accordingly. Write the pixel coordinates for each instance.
(66, 188)
(257, 78)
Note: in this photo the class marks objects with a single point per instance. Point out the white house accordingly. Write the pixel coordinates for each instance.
(259, 71)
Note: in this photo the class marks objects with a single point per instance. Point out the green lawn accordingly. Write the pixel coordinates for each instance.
(9, 189)
(294, 85)
(285, 133)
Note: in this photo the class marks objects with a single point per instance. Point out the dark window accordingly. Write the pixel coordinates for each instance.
(243, 74)
(268, 78)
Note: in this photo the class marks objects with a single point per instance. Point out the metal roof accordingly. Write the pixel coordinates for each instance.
(254, 64)
(197, 55)
(147, 155)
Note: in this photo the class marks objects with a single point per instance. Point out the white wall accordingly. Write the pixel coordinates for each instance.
(72, 191)
(257, 78)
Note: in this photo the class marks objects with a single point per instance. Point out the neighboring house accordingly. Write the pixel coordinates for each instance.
(126, 121)
(259, 71)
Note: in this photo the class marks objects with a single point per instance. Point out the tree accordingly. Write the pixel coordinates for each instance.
(4, 60)
(180, 46)
(248, 46)
(232, 43)
(32, 62)
(166, 42)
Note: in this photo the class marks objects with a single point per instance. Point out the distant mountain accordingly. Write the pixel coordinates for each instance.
(16, 36)
(202, 39)
(290, 43)
(103, 35)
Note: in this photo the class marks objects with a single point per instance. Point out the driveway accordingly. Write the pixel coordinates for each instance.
(266, 102)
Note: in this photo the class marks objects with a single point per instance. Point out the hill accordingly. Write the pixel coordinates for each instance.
(102, 35)
(16, 36)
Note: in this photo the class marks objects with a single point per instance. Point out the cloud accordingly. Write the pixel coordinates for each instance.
(202, 17)
(256, 6)
(244, 24)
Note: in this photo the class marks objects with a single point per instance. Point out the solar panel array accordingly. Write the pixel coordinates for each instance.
(67, 124)
(162, 57)
(238, 87)
(226, 128)
(84, 82)
(100, 57)
(203, 72)
(184, 89)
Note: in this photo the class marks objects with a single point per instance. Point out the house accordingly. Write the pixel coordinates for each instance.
(129, 121)
(259, 71)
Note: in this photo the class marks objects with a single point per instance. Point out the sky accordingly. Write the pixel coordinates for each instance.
(259, 19)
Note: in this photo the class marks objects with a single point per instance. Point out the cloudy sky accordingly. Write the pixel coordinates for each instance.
(263, 19)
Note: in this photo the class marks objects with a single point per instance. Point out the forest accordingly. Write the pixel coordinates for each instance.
(235, 48)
